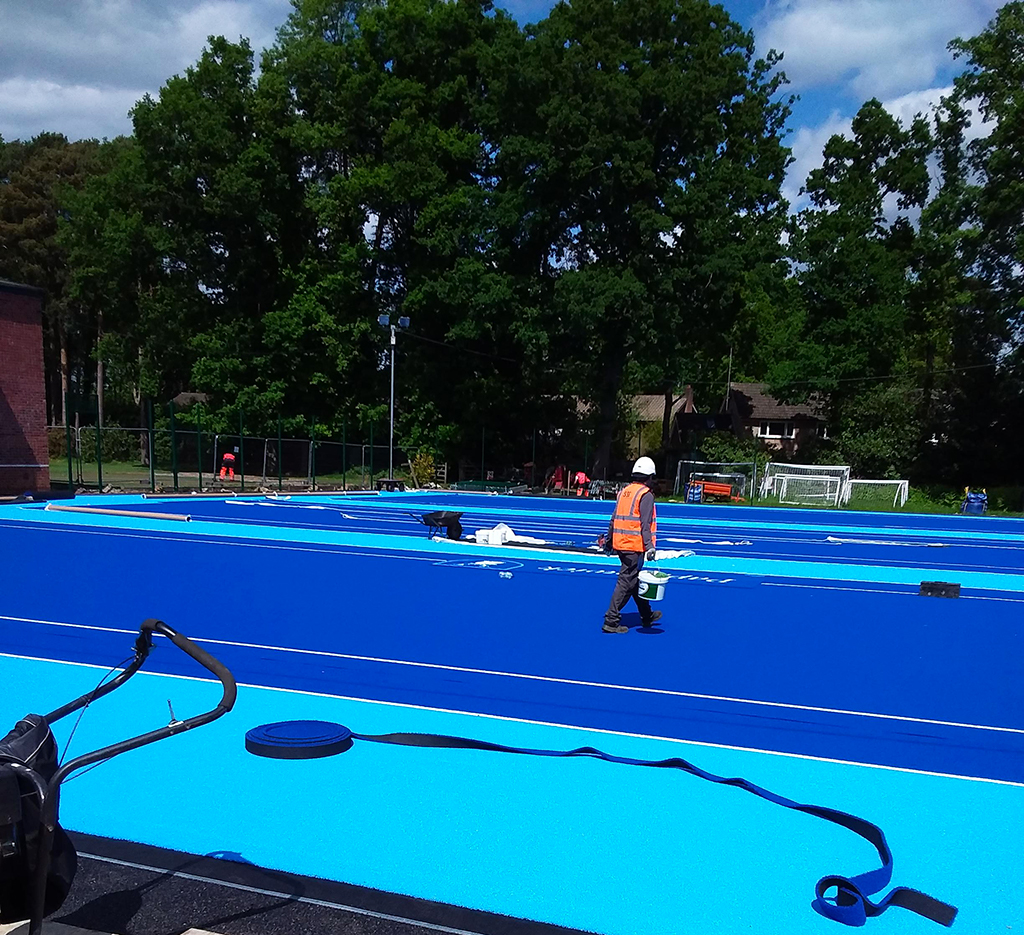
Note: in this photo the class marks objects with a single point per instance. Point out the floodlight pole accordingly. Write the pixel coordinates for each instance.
(391, 443)
(385, 322)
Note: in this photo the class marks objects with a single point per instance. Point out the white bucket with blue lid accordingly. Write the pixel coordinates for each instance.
(652, 585)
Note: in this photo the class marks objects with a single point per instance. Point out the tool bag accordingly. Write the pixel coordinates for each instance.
(31, 745)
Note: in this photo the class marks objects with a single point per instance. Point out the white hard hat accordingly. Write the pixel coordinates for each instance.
(644, 466)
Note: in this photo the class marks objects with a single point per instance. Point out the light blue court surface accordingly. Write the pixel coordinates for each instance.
(795, 651)
(580, 843)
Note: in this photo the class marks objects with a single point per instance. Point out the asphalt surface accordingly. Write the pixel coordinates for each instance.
(136, 889)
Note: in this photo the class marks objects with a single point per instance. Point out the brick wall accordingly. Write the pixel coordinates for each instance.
(23, 448)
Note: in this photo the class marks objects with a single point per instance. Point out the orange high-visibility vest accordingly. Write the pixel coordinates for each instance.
(626, 535)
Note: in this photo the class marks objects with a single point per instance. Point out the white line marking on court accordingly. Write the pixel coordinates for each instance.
(549, 678)
(231, 540)
(275, 895)
(558, 724)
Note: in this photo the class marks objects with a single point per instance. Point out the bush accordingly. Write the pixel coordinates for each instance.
(423, 468)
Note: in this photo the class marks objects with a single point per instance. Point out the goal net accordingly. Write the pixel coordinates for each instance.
(742, 475)
(808, 489)
(877, 493)
(775, 469)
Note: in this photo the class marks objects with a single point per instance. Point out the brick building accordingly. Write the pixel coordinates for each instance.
(779, 426)
(23, 449)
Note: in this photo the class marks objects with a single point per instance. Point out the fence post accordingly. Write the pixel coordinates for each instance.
(312, 455)
(152, 463)
(280, 465)
(67, 426)
(99, 455)
(371, 454)
(199, 446)
(174, 446)
(483, 440)
(241, 447)
(533, 461)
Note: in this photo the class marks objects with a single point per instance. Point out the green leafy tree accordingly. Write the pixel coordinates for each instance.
(983, 437)
(223, 180)
(189, 240)
(396, 170)
(641, 152)
(852, 268)
(994, 83)
(36, 177)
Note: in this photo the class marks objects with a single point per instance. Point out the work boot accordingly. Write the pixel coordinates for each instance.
(654, 618)
(614, 628)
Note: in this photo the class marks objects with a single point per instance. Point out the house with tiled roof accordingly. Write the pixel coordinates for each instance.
(781, 426)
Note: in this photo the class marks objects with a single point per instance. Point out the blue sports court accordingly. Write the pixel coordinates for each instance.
(796, 651)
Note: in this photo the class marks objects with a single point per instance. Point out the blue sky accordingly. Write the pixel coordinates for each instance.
(77, 66)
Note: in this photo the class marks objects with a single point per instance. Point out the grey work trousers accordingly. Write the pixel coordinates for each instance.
(626, 587)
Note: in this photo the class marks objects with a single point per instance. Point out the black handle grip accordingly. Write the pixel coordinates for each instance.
(200, 655)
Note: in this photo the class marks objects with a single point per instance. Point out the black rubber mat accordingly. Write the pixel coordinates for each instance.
(135, 889)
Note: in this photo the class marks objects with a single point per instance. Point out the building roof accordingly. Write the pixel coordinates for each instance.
(651, 408)
(19, 288)
(187, 399)
(752, 401)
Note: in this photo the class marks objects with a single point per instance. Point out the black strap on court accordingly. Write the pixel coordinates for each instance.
(850, 904)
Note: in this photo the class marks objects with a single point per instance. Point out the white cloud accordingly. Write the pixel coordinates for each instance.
(907, 106)
(28, 107)
(84, 63)
(807, 145)
(877, 48)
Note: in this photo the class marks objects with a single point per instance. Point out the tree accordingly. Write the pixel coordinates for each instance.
(35, 179)
(852, 260)
(988, 408)
(994, 83)
(641, 150)
(189, 238)
(389, 101)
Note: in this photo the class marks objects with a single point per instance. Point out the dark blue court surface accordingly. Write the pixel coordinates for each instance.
(795, 650)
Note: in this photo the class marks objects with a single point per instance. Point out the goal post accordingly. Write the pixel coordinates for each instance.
(740, 474)
(808, 489)
(775, 469)
(867, 492)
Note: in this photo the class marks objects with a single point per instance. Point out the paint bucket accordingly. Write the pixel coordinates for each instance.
(652, 585)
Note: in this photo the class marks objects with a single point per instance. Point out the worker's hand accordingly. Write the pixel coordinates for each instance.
(650, 555)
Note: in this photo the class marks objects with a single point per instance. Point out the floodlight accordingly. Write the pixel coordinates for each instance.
(403, 322)
(383, 320)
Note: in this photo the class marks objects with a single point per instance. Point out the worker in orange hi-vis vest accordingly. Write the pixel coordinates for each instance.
(227, 465)
(631, 535)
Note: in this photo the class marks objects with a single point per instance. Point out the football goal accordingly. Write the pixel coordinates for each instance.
(741, 476)
(776, 469)
(807, 489)
(875, 493)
